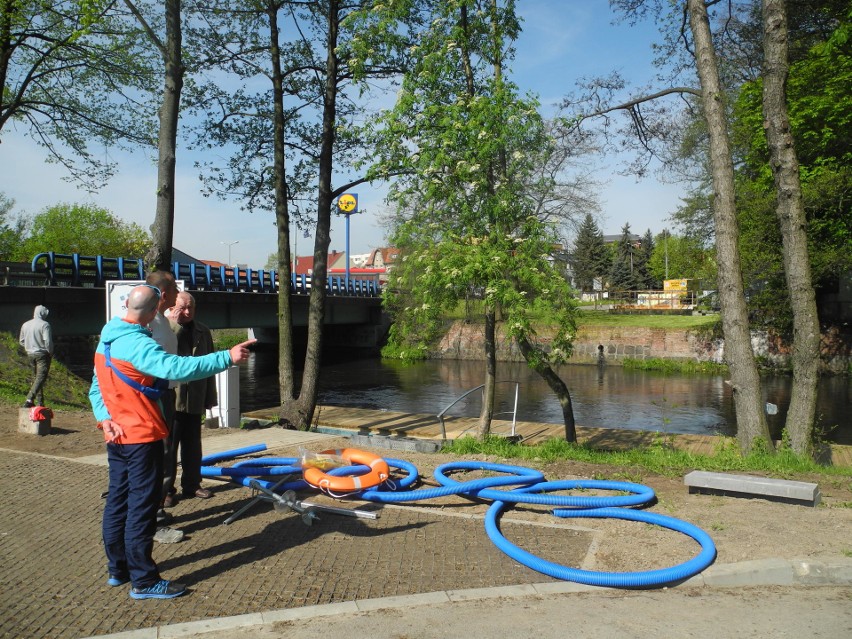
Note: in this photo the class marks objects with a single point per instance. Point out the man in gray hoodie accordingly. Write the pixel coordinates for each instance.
(37, 339)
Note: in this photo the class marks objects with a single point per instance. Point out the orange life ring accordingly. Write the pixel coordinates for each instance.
(379, 472)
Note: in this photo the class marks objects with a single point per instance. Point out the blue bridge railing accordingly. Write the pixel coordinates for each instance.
(79, 270)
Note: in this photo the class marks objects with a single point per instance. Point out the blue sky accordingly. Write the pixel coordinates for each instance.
(562, 41)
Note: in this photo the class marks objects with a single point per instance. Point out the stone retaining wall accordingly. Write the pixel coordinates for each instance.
(613, 344)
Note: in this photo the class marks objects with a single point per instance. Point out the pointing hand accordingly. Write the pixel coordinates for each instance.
(240, 352)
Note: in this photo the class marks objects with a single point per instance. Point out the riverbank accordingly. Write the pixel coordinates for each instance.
(612, 343)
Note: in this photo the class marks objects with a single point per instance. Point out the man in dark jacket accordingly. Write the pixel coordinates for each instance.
(191, 402)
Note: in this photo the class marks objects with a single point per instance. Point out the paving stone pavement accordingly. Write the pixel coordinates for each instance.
(267, 567)
(53, 576)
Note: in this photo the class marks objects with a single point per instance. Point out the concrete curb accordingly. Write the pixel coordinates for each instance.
(833, 571)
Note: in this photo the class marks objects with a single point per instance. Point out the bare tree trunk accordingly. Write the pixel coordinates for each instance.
(748, 402)
(791, 216)
(306, 402)
(159, 258)
(486, 415)
(556, 385)
(286, 377)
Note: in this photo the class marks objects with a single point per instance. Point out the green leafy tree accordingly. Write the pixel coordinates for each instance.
(74, 73)
(467, 147)
(83, 229)
(590, 257)
(682, 257)
(12, 229)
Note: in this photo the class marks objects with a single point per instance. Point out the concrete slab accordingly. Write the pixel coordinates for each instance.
(760, 572)
(798, 492)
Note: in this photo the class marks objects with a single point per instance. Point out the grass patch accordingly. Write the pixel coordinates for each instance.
(674, 366)
(587, 317)
(62, 390)
(658, 458)
(226, 338)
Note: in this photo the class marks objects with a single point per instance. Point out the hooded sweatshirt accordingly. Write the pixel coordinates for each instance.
(36, 335)
(135, 353)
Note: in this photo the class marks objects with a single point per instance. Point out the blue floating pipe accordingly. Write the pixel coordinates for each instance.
(518, 476)
(609, 579)
(231, 454)
(640, 494)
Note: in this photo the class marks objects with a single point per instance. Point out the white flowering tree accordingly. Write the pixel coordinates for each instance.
(468, 146)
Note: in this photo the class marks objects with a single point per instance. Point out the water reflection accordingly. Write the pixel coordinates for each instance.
(604, 397)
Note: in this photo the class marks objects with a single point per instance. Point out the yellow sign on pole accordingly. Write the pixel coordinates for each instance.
(348, 203)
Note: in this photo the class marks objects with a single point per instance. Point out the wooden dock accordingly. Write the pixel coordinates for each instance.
(364, 421)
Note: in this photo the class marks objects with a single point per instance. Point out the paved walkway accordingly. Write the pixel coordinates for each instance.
(268, 575)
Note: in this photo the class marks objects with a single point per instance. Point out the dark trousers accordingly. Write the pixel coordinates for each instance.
(41, 367)
(186, 433)
(169, 445)
(129, 524)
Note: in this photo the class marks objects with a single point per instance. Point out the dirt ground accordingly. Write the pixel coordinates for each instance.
(743, 529)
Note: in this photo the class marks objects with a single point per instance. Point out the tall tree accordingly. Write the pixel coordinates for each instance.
(12, 230)
(292, 130)
(748, 400)
(622, 273)
(693, 28)
(468, 148)
(589, 258)
(171, 54)
(784, 163)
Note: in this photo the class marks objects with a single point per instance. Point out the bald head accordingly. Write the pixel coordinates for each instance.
(142, 304)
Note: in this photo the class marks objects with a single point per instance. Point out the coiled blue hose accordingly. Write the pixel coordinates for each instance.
(646, 578)
(530, 488)
(641, 494)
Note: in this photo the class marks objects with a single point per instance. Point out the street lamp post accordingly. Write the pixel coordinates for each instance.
(230, 244)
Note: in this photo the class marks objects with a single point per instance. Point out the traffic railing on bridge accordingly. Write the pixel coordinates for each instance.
(79, 270)
(59, 269)
(204, 277)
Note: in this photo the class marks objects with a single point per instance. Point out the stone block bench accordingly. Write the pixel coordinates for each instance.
(793, 492)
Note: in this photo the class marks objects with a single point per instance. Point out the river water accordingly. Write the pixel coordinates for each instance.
(603, 397)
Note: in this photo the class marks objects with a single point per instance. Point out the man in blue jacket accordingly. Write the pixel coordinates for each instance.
(131, 371)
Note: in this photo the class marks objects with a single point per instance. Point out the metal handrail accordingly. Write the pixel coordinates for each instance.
(481, 386)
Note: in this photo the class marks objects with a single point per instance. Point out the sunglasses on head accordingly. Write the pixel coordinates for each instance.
(155, 289)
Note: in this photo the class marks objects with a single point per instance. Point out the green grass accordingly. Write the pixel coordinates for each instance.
(674, 366)
(587, 316)
(659, 458)
(226, 338)
(604, 318)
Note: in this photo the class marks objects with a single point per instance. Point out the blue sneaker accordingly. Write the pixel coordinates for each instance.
(115, 581)
(163, 589)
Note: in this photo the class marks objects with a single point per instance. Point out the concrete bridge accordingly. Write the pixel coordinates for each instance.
(78, 300)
